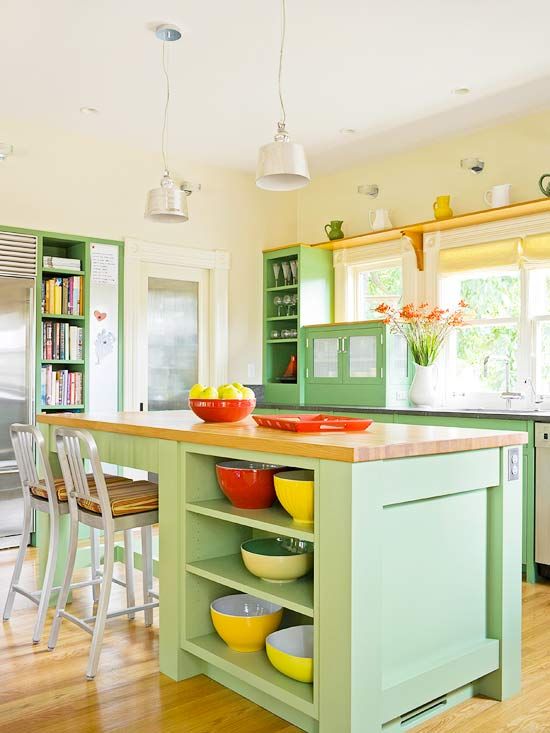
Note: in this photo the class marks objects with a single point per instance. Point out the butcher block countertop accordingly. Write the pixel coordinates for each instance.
(380, 442)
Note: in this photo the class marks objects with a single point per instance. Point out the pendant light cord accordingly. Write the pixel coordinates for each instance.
(281, 53)
(164, 124)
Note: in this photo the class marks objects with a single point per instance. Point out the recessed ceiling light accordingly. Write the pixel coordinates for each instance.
(461, 90)
(89, 110)
(347, 131)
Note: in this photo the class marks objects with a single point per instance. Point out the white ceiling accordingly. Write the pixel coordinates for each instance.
(384, 68)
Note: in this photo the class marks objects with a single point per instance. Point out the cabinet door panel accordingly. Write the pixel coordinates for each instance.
(363, 356)
(324, 358)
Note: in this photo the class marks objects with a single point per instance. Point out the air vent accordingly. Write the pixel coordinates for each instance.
(414, 716)
(17, 255)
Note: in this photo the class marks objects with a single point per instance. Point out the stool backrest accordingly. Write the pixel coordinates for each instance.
(26, 439)
(69, 441)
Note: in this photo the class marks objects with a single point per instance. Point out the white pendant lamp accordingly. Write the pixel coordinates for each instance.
(168, 203)
(282, 164)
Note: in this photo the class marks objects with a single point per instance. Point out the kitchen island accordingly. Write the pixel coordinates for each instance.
(415, 595)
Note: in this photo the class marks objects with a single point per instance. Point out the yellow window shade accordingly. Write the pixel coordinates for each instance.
(536, 247)
(479, 256)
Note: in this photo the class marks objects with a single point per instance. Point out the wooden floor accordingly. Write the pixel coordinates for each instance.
(47, 691)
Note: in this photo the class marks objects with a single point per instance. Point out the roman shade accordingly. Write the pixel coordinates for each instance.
(536, 247)
(480, 256)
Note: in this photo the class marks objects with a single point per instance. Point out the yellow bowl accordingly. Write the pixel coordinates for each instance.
(291, 652)
(277, 559)
(294, 490)
(244, 621)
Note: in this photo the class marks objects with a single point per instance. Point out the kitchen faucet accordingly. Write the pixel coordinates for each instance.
(507, 394)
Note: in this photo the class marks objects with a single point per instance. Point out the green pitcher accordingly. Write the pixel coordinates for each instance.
(334, 230)
(543, 188)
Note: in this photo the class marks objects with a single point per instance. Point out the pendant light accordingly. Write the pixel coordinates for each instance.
(282, 164)
(168, 203)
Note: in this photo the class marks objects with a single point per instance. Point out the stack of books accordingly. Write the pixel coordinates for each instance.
(62, 341)
(60, 387)
(62, 263)
(63, 295)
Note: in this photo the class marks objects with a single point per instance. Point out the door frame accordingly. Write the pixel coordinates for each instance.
(138, 253)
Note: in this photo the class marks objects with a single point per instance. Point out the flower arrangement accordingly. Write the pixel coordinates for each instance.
(424, 328)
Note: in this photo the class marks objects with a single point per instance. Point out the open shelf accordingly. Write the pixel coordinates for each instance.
(46, 408)
(61, 271)
(62, 361)
(282, 318)
(282, 287)
(282, 341)
(63, 316)
(274, 519)
(255, 669)
(230, 570)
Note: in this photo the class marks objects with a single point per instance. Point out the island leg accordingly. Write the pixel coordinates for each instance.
(174, 661)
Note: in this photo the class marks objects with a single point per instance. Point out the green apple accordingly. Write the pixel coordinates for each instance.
(196, 391)
(210, 393)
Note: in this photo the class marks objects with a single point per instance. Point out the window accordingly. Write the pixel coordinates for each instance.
(480, 354)
(375, 284)
(539, 307)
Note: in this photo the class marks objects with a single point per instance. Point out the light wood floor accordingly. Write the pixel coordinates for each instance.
(46, 691)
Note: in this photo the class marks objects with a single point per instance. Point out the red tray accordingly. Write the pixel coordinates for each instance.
(312, 423)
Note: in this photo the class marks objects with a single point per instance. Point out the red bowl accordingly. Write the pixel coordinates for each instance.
(248, 485)
(222, 410)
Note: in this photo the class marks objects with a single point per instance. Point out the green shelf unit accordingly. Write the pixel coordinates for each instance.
(315, 291)
(61, 271)
(61, 317)
(230, 570)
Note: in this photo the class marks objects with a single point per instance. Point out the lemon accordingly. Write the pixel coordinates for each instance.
(248, 394)
(230, 393)
(238, 386)
(196, 390)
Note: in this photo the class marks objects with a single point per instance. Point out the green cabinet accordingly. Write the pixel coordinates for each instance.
(354, 364)
(298, 290)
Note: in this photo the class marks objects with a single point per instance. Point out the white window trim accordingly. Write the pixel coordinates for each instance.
(217, 262)
(349, 262)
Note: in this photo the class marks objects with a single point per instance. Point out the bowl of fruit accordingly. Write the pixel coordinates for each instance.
(227, 403)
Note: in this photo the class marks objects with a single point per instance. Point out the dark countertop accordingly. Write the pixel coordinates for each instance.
(535, 416)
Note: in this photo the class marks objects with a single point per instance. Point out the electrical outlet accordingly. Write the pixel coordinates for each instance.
(513, 464)
(251, 370)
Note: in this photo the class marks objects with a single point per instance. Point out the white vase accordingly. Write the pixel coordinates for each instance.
(423, 388)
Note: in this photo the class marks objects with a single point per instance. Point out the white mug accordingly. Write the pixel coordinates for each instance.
(498, 195)
(379, 219)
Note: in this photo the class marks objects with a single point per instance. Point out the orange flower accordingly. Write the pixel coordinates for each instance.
(462, 303)
(382, 308)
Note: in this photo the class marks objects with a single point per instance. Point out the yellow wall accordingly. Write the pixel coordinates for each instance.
(516, 152)
(68, 183)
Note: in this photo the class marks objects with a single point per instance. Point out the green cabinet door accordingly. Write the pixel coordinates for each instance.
(363, 356)
(324, 363)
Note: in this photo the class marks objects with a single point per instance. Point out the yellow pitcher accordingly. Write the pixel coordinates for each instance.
(442, 209)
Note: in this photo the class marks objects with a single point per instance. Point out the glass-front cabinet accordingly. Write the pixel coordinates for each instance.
(356, 364)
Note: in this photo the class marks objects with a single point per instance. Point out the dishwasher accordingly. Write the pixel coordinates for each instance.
(542, 498)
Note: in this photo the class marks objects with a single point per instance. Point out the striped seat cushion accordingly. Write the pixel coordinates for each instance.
(132, 498)
(61, 491)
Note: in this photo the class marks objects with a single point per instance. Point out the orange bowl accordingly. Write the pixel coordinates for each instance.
(222, 410)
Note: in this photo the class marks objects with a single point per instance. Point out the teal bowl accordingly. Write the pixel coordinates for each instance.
(277, 559)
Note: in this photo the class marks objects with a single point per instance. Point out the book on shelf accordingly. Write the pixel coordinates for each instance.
(60, 387)
(63, 295)
(62, 341)
(64, 263)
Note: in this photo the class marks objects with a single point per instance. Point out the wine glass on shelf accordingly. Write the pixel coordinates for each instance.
(286, 272)
(287, 301)
(294, 304)
(293, 333)
(276, 270)
(294, 270)
(278, 302)
(285, 333)
(275, 334)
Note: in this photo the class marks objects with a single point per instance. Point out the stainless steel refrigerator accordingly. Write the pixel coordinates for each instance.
(17, 369)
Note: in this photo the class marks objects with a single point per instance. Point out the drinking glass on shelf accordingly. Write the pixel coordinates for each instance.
(274, 334)
(278, 302)
(276, 270)
(294, 270)
(285, 333)
(287, 301)
(294, 304)
(293, 333)
(286, 272)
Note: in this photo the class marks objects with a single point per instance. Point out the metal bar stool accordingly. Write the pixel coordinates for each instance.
(109, 509)
(49, 496)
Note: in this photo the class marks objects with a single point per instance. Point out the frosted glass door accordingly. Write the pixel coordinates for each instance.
(173, 336)
(362, 356)
(324, 359)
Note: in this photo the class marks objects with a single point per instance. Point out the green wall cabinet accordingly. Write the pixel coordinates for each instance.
(288, 304)
(356, 363)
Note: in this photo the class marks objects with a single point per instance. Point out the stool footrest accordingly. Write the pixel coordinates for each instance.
(78, 621)
(125, 611)
(33, 596)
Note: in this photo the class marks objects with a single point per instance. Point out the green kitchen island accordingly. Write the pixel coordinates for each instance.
(416, 590)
